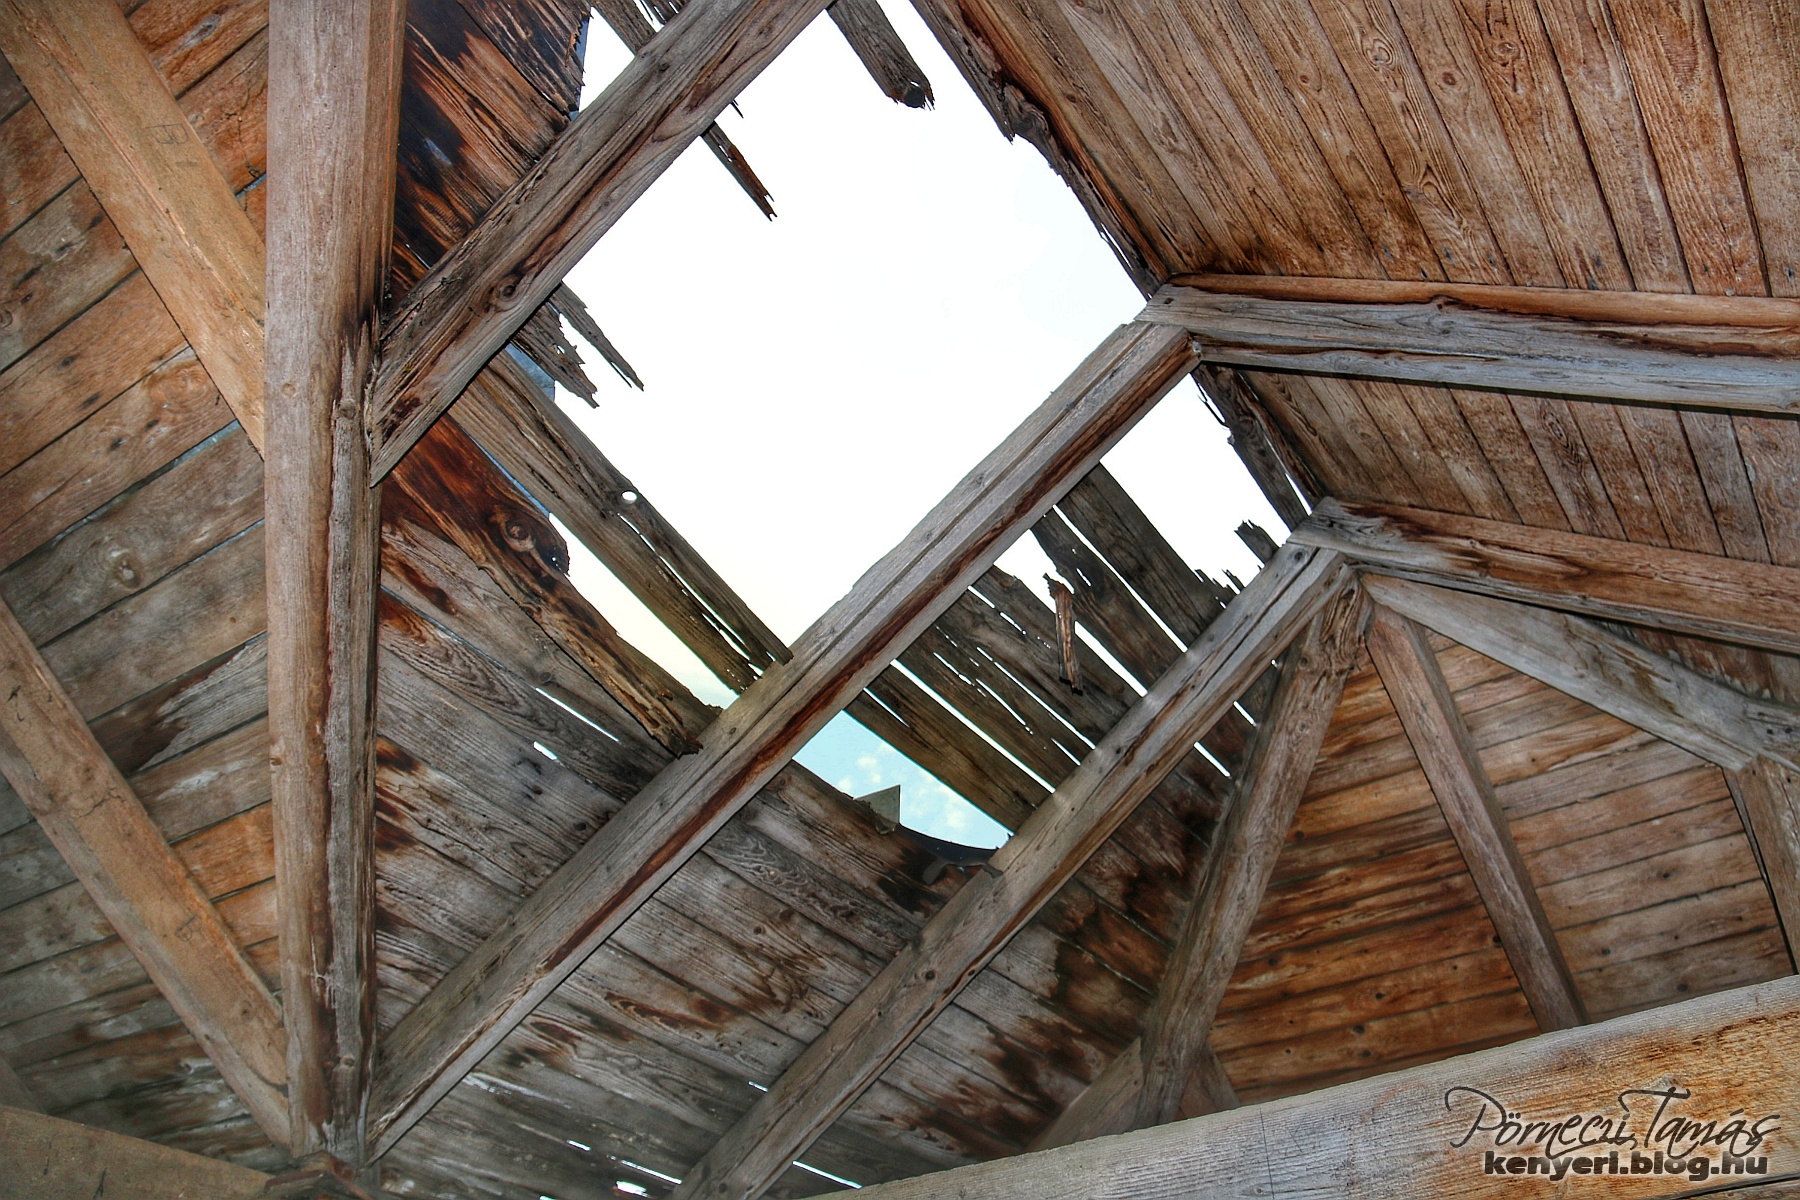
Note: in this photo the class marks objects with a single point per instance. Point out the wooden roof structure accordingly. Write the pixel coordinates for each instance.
(348, 844)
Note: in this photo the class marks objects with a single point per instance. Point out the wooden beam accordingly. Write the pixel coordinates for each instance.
(1702, 595)
(1241, 857)
(334, 102)
(1455, 341)
(1109, 1104)
(1768, 796)
(1409, 670)
(486, 995)
(877, 44)
(480, 293)
(100, 827)
(1415, 1132)
(1612, 673)
(50, 1159)
(1055, 840)
(113, 112)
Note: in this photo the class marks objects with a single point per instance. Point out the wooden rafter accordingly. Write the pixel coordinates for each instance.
(1509, 344)
(1109, 1104)
(1407, 1134)
(114, 114)
(334, 102)
(484, 290)
(1703, 595)
(100, 827)
(1052, 844)
(1768, 796)
(1242, 856)
(1409, 670)
(51, 1159)
(486, 995)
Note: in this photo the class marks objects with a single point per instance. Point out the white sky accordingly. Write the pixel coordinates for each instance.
(817, 382)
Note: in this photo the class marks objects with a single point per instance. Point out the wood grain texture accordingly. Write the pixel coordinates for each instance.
(1410, 672)
(117, 118)
(1701, 595)
(877, 44)
(1241, 856)
(479, 295)
(1768, 797)
(101, 829)
(51, 1159)
(1447, 341)
(334, 95)
(1048, 849)
(494, 988)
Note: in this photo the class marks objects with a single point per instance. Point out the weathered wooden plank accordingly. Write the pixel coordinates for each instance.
(1048, 849)
(478, 296)
(1768, 795)
(872, 36)
(1437, 733)
(1701, 595)
(50, 1159)
(1455, 340)
(100, 826)
(334, 102)
(605, 880)
(119, 121)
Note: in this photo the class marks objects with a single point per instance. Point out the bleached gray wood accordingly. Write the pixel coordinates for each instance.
(1124, 767)
(486, 995)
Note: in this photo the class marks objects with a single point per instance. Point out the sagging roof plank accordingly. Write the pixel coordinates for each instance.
(1241, 858)
(1277, 470)
(1388, 1133)
(1738, 354)
(116, 116)
(1410, 672)
(1768, 796)
(481, 292)
(1045, 853)
(334, 113)
(1614, 674)
(547, 939)
(1699, 595)
(99, 825)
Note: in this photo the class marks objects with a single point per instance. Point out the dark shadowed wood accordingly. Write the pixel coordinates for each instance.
(1747, 368)
(1044, 854)
(1242, 856)
(1410, 672)
(1392, 1137)
(1703, 595)
(1109, 1104)
(547, 939)
(334, 89)
(102, 831)
(1578, 657)
(1768, 796)
(479, 294)
(115, 115)
(14, 1093)
(50, 1159)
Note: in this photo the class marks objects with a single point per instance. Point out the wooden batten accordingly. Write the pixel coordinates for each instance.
(114, 114)
(1428, 713)
(334, 87)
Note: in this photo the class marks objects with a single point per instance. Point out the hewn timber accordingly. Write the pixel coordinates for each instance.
(100, 827)
(1614, 674)
(480, 293)
(1410, 673)
(1124, 767)
(1242, 855)
(1768, 796)
(1704, 595)
(48, 1159)
(114, 114)
(1409, 1133)
(487, 994)
(1451, 341)
(334, 87)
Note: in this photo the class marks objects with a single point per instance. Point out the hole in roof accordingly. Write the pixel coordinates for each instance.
(824, 1174)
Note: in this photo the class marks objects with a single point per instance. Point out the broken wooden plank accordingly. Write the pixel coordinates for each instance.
(548, 938)
(1703, 595)
(873, 37)
(480, 293)
(1048, 849)
(1695, 364)
(115, 115)
(1616, 675)
(1768, 796)
(101, 829)
(1409, 670)
(334, 105)
(1241, 857)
